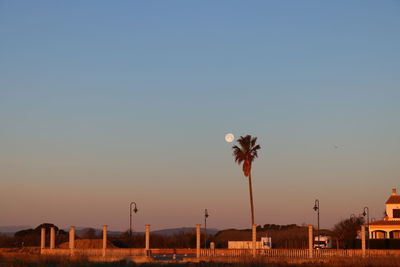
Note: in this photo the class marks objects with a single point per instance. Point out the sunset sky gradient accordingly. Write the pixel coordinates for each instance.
(104, 102)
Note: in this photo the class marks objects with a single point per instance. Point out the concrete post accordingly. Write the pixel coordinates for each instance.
(42, 238)
(147, 237)
(254, 238)
(198, 240)
(310, 241)
(363, 244)
(104, 239)
(52, 237)
(72, 239)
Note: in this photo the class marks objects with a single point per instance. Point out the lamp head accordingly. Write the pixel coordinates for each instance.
(316, 205)
(135, 209)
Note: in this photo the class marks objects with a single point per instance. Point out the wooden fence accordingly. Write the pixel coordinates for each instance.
(209, 253)
(297, 253)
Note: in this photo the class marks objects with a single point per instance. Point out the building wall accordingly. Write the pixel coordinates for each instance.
(384, 231)
(389, 211)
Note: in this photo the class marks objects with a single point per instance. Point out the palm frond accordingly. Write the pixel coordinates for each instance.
(238, 154)
(246, 152)
(253, 141)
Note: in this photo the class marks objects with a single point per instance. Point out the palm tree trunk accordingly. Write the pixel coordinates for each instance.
(251, 200)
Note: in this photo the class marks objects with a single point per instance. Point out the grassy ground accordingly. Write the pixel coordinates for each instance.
(32, 260)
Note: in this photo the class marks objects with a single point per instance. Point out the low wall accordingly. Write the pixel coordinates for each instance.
(112, 252)
(157, 251)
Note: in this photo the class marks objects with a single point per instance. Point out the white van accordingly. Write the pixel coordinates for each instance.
(323, 241)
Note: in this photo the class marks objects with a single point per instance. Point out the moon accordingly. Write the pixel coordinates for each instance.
(229, 137)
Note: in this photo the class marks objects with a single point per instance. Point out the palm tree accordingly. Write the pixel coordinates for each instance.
(246, 152)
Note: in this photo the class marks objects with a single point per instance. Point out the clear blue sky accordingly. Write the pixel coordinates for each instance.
(104, 102)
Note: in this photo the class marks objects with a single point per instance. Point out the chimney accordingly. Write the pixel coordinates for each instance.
(394, 192)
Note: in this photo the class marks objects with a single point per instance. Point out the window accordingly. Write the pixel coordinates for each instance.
(396, 213)
(395, 234)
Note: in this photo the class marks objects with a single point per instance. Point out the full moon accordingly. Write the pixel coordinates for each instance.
(229, 137)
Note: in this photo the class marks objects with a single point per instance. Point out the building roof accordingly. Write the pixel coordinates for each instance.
(385, 222)
(393, 199)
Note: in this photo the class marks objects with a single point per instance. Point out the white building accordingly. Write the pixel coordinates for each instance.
(389, 227)
(243, 245)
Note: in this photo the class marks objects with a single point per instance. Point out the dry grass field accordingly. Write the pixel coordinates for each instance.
(22, 259)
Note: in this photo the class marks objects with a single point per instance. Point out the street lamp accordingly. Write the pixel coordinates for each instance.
(130, 217)
(205, 227)
(366, 212)
(316, 208)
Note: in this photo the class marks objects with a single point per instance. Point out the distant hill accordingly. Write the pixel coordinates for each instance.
(11, 229)
(172, 231)
(167, 232)
(80, 230)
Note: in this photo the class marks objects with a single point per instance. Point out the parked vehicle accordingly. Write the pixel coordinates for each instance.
(266, 242)
(322, 241)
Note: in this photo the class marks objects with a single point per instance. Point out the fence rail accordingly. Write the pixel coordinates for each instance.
(273, 253)
(297, 253)
(157, 251)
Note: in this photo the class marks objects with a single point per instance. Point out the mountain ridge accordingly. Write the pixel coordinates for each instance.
(12, 229)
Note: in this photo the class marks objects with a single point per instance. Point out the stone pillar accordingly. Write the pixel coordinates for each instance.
(198, 240)
(363, 245)
(104, 239)
(72, 239)
(43, 238)
(52, 237)
(254, 238)
(212, 245)
(147, 237)
(310, 241)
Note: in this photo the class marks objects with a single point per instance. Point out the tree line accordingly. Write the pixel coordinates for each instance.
(344, 234)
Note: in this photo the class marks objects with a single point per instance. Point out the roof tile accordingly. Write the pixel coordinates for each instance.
(394, 199)
(385, 222)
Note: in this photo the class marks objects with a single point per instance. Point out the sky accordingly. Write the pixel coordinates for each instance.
(103, 103)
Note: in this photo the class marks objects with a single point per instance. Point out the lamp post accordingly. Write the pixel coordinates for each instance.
(366, 212)
(205, 227)
(130, 217)
(316, 208)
